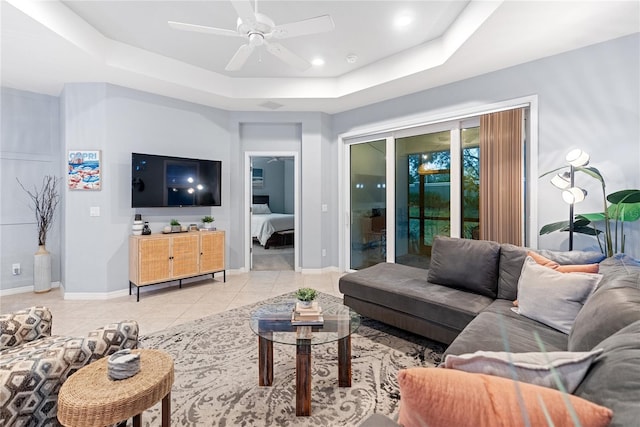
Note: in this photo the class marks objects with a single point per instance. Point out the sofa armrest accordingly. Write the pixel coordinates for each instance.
(24, 326)
(113, 337)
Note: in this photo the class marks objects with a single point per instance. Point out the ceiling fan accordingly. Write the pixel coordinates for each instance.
(259, 29)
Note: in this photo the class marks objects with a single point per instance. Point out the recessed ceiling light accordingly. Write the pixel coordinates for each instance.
(317, 62)
(403, 20)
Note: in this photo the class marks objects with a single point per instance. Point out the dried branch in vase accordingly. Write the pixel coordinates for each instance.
(44, 202)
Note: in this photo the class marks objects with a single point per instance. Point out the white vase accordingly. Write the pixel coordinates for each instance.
(137, 226)
(42, 270)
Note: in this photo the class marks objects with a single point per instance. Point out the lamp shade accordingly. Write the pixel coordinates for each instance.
(577, 158)
(561, 181)
(573, 195)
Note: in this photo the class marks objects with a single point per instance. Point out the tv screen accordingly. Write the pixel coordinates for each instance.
(160, 181)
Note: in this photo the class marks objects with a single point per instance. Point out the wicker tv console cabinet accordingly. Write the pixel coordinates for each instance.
(160, 258)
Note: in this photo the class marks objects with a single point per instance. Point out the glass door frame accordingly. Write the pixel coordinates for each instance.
(345, 201)
(391, 129)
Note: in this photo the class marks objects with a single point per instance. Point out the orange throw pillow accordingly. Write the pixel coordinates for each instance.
(445, 397)
(578, 268)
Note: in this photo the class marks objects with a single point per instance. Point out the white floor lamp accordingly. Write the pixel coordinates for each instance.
(565, 182)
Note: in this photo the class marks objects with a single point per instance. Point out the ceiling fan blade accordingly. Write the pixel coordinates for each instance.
(287, 56)
(320, 24)
(244, 10)
(240, 57)
(203, 29)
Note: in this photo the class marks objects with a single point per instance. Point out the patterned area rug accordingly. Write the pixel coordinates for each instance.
(216, 373)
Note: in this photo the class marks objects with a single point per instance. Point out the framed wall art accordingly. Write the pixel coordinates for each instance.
(84, 170)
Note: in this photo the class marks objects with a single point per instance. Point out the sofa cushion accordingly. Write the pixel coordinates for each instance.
(497, 328)
(607, 311)
(405, 289)
(511, 260)
(551, 297)
(547, 369)
(446, 397)
(465, 264)
(614, 377)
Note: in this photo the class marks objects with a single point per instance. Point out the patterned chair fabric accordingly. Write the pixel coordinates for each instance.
(33, 370)
(24, 326)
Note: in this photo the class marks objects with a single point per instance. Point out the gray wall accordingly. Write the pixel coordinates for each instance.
(588, 98)
(119, 121)
(29, 149)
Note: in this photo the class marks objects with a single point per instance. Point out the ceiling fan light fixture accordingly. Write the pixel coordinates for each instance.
(256, 39)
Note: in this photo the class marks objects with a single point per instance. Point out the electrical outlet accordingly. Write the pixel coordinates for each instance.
(324, 252)
(15, 268)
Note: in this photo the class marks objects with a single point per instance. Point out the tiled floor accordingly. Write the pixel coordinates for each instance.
(160, 308)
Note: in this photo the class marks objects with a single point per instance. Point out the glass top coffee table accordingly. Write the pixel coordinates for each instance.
(272, 323)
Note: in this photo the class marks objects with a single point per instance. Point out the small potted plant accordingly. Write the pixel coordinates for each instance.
(306, 296)
(175, 226)
(207, 222)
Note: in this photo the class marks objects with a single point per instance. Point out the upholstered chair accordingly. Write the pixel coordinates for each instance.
(34, 364)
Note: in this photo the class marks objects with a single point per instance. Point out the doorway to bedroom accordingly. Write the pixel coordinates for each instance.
(272, 212)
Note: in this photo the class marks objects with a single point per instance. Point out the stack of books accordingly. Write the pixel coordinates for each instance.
(307, 316)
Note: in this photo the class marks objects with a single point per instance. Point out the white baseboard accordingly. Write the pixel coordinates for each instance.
(95, 295)
(24, 289)
(323, 270)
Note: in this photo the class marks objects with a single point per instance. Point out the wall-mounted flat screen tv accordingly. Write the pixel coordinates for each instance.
(162, 181)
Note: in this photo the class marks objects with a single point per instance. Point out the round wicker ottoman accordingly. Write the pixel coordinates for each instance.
(88, 398)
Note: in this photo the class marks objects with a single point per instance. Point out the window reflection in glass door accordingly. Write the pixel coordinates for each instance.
(470, 140)
(423, 181)
(368, 204)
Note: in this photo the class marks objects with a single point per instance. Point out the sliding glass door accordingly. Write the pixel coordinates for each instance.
(423, 194)
(430, 176)
(368, 194)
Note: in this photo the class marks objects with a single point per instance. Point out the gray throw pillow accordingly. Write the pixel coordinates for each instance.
(543, 369)
(551, 297)
(465, 264)
(605, 313)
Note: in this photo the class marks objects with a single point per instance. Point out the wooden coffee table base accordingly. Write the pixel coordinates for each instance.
(303, 369)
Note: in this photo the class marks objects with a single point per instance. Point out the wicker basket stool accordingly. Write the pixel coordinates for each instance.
(88, 398)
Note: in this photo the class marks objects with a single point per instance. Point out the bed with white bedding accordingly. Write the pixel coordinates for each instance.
(264, 223)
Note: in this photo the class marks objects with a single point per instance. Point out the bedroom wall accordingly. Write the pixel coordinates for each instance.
(588, 98)
(278, 183)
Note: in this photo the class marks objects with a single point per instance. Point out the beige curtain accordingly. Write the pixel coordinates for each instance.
(501, 177)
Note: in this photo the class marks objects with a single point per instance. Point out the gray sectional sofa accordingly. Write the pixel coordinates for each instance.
(465, 299)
